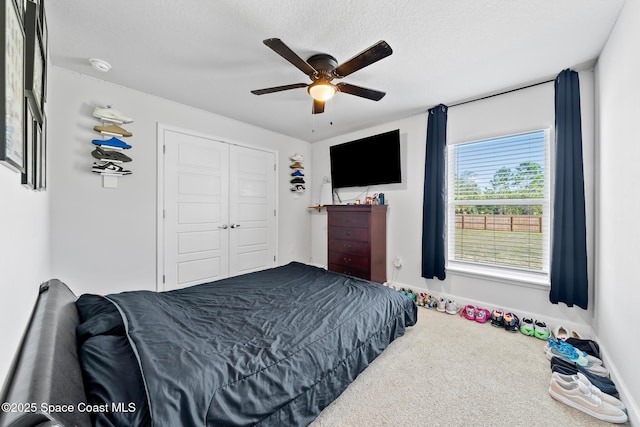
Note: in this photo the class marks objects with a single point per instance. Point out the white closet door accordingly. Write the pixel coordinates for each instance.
(252, 233)
(196, 194)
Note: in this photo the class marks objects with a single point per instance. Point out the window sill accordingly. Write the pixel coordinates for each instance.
(529, 280)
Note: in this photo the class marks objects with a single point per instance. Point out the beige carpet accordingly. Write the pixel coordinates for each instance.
(450, 371)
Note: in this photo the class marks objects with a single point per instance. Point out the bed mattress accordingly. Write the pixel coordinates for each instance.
(268, 348)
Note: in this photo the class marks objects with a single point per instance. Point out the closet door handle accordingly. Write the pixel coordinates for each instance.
(223, 226)
(235, 225)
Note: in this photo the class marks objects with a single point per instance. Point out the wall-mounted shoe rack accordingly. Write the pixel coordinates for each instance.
(109, 149)
(297, 174)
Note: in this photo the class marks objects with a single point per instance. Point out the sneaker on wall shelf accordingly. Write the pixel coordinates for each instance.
(110, 114)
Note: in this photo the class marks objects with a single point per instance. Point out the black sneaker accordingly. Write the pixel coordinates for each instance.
(511, 322)
(588, 346)
(109, 168)
(497, 318)
(110, 156)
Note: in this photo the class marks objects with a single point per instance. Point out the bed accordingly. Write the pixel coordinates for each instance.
(270, 348)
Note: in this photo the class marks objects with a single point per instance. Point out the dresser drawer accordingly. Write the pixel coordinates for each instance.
(349, 233)
(349, 247)
(350, 219)
(351, 260)
(350, 271)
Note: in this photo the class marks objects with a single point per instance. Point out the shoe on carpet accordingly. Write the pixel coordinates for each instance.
(560, 333)
(588, 346)
(560, 343)
(469, 312)
(497, 318)
(451, 307)
(482, 315)
(526, 326)
(566, 367)
(579, 377)
(541, 331)
(567, 352)
(442, 305)
(511, 322)
(578, 396)
(432, 303)
(575, 334)
(555, 348)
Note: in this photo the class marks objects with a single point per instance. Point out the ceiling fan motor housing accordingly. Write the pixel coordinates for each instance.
(323, 63)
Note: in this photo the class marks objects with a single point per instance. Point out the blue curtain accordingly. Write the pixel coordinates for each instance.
(434, 201)
(569, 283)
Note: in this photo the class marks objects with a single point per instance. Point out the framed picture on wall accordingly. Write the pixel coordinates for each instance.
(44, 39)
(34, 62)
(29, 175)
(12, 102)
(41, 143)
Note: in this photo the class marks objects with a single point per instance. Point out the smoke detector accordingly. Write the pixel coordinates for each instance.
(100, 65)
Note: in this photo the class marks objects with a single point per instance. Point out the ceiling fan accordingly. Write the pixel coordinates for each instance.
(322, 68)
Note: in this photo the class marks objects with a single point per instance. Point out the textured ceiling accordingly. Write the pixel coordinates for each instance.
(210, 55)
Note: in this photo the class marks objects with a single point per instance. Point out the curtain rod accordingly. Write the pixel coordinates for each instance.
(501, 93)
(584, 66)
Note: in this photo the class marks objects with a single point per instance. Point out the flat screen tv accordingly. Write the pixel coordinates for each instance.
(368, 161)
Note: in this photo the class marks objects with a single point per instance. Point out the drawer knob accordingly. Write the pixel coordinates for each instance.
(347, 246)
(347, 259)
(347, 233)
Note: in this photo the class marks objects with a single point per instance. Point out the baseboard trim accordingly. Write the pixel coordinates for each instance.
(633, 411)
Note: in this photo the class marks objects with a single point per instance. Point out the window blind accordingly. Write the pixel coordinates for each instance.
(498, 201)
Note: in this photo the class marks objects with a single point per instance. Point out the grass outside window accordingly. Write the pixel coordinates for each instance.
(509, 248)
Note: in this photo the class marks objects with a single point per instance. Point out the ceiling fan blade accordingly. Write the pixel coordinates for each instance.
(366, 57)
(318, 107)
(283, 50)
(363, 92)
(278, 88)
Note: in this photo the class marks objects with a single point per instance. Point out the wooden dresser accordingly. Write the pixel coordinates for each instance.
(358, 240)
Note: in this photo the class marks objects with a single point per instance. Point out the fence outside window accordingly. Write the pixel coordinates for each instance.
(516, 223)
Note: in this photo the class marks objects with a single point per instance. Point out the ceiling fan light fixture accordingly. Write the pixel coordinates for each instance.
(321, 90)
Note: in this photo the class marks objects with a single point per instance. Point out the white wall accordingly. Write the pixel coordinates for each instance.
(518, 111)
(103, 239)
(617, 290)
(24, 258)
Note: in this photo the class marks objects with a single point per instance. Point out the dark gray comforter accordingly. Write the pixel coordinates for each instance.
(270, 348)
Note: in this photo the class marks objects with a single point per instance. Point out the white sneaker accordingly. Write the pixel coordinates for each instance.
(452, 307)
(111, 115)
(441, 307)
(578, 396)
(579, 377)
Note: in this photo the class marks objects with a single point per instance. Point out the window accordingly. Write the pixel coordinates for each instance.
(498, 204)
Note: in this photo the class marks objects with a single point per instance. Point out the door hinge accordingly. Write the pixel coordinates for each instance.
(164, 149)
(163, 279)
(274, 258)
(274, 167)
(164, 214)
(274, 212)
